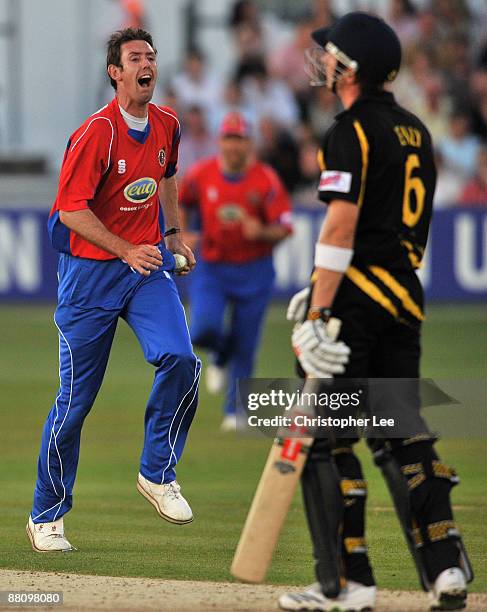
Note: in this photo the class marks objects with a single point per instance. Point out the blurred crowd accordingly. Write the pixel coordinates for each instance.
(443, 80)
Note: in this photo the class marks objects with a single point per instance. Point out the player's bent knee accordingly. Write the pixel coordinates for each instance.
(184, 361)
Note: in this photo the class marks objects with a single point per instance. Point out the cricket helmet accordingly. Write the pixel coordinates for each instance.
(361, 42)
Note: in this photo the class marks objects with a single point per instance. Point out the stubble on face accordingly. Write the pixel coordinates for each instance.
(138, 73)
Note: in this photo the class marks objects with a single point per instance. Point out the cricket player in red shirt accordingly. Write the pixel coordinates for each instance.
(243, 211)
(116, 243)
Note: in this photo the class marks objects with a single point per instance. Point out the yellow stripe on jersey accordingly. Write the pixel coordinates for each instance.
(321, 160)
(368, 287)
(398, 290)
(364, 147)
(413, 258)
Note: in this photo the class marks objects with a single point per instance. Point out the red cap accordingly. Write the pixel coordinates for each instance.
(235, 124)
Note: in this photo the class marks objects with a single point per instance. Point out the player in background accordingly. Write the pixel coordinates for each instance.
(243, 211)
(116, 260)
(378, 180)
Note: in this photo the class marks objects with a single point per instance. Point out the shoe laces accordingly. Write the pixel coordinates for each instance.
(174, 489)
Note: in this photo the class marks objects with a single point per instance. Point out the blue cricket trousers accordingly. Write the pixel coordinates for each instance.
(91, 296)
(244, 290)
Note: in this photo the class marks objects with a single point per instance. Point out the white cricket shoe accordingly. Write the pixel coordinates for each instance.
(48, 537)
(166, 499)
(450, 590)
(354, 597)
(216, 378)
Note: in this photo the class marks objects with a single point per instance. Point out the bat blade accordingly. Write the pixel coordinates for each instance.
(269, 509)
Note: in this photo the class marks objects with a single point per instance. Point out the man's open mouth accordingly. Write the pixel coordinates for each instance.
(145, 80)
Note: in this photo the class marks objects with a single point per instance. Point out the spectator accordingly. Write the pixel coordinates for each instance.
(480, 118)
(420, 88)
(171, 99)
(410, 83)
(287, 63)
(449, 185)
(427, 31)
(323, 15)
(434, 107)
(459, 149)
(278, 148)
(253, 33)
(232, 102)
(402, 18)
(475, 191)
(133, 14)
(478, 93)
(269, 97)
(269, 85)
(453, 16)
(456, 69)
(196, 85)
(249, 47)
(322, 111)
(304, 193)
(244, 12)
(197, 142)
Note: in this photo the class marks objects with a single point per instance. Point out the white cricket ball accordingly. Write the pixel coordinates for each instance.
(180, 261)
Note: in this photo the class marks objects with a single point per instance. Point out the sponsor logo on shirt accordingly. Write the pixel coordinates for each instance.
(122, 166)
(332, 180)
(230, 213)
(140, 190)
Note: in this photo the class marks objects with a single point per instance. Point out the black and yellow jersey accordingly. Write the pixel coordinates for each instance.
(379, 156)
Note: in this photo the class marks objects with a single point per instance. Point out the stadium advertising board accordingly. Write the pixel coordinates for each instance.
(455, 266)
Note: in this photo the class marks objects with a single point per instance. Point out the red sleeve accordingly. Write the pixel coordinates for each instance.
(189, 189)
(277, 203)
(86, 160)
(172, 162)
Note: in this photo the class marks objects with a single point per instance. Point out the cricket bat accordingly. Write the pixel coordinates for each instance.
(273, 497)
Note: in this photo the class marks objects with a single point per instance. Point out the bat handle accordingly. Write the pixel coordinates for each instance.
(333, 327)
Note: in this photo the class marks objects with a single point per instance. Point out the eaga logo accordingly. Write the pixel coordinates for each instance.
(140, 190)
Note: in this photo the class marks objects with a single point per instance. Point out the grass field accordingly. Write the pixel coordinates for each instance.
(118, 533)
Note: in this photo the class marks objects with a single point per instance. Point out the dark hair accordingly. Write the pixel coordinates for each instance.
(195, 52)
(117, 39)
(237, 15)
(408, 8)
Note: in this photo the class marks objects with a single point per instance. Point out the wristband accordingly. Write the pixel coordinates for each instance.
(332, 257)
(171, 231)
(315, 313)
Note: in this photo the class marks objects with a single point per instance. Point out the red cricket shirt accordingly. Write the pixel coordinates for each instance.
(223, 200)
(115, 172)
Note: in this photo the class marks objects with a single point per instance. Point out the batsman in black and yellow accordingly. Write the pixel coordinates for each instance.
(378, 180)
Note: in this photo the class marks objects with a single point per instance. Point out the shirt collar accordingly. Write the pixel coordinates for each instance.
(384, 97)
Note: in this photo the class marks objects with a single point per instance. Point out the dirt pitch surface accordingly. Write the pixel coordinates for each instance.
(107, 593)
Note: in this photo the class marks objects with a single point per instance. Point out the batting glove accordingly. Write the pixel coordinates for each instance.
(298, 305)
(319, 353)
